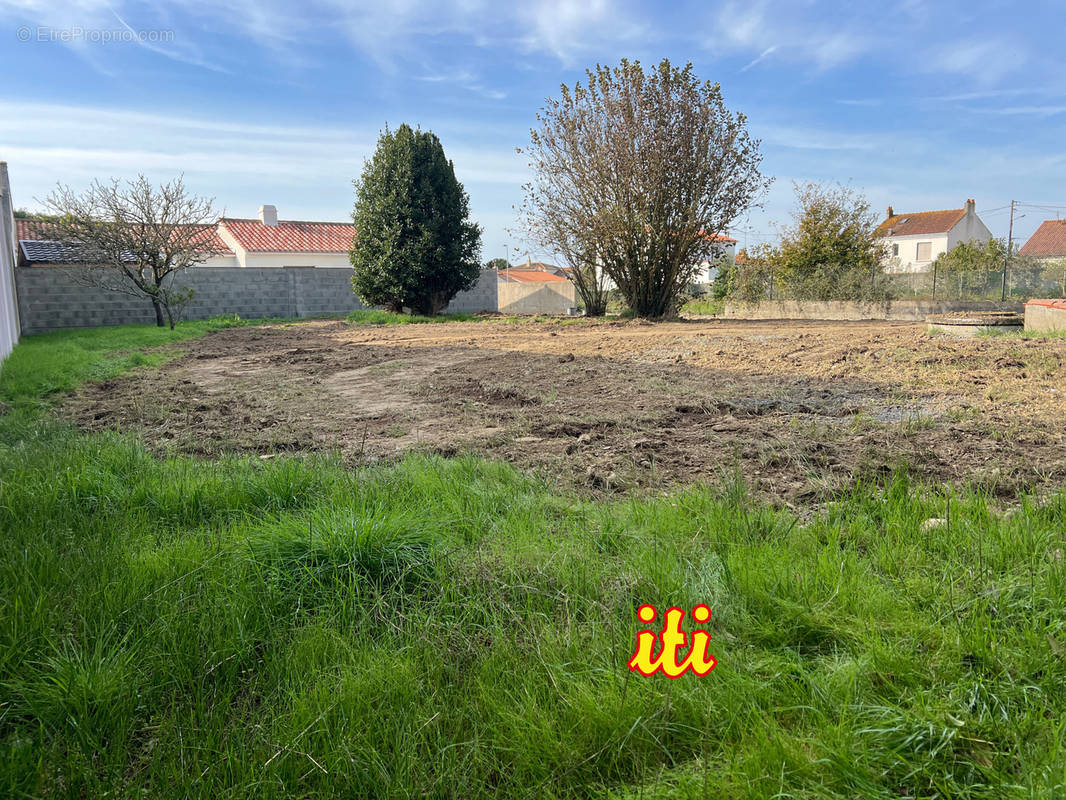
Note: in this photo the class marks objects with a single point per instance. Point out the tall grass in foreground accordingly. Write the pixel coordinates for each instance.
(450, 628)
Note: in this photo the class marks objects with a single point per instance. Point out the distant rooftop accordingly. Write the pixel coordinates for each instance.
(920, 223)
(529, 276)
(1048, 240)
(289, 236)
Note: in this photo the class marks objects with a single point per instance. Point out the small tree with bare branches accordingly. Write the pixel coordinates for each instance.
(633, 174)
(133, 237)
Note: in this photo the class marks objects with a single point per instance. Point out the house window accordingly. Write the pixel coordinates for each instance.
(925, 251)
(895, 249)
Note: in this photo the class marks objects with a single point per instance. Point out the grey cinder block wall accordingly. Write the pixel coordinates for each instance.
(482, 297)
(51, 297)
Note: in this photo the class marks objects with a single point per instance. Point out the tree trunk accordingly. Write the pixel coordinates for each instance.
(430, 305)
(650, 306)
(595, 302)
(158, 313)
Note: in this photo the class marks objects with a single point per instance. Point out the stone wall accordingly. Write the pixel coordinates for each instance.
(51, 297)
(901, 310)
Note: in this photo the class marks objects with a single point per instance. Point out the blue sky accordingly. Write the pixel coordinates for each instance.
(918, 104)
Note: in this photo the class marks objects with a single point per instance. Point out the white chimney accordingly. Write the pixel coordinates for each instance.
(970, 206)
(268, 215)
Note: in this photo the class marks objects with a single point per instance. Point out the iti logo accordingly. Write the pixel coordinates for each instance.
(673, 641)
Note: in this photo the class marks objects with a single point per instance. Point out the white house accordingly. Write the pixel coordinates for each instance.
(915, 240)
(263, 242)
(723, 251)
(270, 242)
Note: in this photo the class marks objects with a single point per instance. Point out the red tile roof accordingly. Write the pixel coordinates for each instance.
(31, 230)
(36, 230)
(217, 243)
(1049, 240)
(290, 236)
(538, 265)
(920, 223)
(719, 238)
(530, 276)
(1056, 304)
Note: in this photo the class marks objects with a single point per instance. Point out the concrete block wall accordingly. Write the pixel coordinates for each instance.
(901, 310)
(482, 297)
(51, 297)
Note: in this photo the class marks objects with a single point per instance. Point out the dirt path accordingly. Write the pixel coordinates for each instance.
(799, 408)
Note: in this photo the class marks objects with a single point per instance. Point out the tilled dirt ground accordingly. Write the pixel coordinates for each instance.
(800, 409)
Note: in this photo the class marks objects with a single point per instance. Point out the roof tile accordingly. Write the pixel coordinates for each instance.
(530, 276)
(290, 236)
(1049, 240)
(36, 233)
(34, 229)
(920, 223)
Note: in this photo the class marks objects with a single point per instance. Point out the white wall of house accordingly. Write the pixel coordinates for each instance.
(221, 260)
(909, 253)
(707, 270)
(9, 321)
(293, 259)
(969, 229)
(242, 258)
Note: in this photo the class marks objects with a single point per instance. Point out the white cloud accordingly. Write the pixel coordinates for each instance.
(1029, 111)
(823, 38)
(308, 170)
(985, 61)
(989, 94)
(863, 102)
(799, 137)
(765, 54)
(569, 28)
(765, 28)
(465, 79)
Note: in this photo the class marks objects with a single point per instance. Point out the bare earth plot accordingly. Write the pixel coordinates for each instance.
(799, 408)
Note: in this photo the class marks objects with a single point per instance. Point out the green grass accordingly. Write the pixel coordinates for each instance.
(704, 306)
(378, 317)
(452, 628)
(1023, 334)
(49, 364)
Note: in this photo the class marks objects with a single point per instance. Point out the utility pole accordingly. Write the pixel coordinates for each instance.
(1006, 258)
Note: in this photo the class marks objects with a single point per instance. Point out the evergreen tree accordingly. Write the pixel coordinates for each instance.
(415, 245)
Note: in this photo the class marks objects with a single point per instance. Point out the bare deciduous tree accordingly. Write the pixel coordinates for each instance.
(633, 175)
(134, 236)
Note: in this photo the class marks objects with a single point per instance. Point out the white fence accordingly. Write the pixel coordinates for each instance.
(9, 321)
